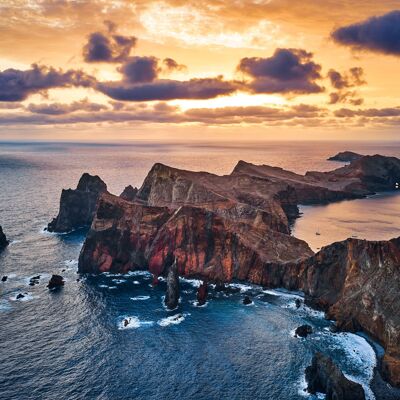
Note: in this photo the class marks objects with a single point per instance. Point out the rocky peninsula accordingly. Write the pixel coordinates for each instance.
(237, 227)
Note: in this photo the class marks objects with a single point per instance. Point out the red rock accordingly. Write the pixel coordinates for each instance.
(202, 293)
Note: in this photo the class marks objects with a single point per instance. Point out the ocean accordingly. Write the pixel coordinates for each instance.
(71, 344)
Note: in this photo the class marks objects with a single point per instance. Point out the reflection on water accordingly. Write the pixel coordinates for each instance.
(374, 218)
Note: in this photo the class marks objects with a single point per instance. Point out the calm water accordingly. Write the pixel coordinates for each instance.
(70, 344)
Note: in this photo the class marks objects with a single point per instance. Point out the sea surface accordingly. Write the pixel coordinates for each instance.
(72, 344)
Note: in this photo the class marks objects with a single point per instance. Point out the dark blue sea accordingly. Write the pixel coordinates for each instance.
(71, 344)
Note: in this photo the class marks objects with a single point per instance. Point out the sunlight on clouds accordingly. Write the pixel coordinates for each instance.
(236, 100)
(195, 28)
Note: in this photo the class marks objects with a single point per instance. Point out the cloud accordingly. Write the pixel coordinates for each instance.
(140, 69)
(342, 82)
(171, 65)
(110, 47)
(17, 85)
(167, 89)
(60, 108)
(378, 34)
(287, 71)
(369, 112)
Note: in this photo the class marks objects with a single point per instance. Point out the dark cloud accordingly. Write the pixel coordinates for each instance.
(108, 47)
(379, 34)
(60, 108)
(165, 89)
(342, 82)
(171, 65)
(369, 112)
(287, 71)
(17, 85)
(140, 69)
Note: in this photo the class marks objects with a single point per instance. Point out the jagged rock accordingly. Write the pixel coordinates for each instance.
(345, 156)
(298, 303)
(324, 376)
(303, 331)
(77, 206)
(172, 293)
(3, 240)
(19, 296)
(4, 278)
(247, 301)
(129, 193)
(126, 235)
(56, 281)
(202, 293)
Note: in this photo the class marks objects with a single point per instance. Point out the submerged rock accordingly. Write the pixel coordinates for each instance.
(247, 301)
(345, 156)
(129, 193)
(324, 376)
(56, 281)
(77, 206)
(303, 331)
(172, 294)
(202, 293)
(3, 240)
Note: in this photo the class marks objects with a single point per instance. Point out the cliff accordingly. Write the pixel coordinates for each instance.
(126, 235)
(3, 240)
(77, 206)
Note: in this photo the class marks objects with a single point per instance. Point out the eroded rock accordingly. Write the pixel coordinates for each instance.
(324, 376)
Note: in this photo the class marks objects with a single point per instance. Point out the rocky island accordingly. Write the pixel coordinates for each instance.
(345, 156)
(237, 227)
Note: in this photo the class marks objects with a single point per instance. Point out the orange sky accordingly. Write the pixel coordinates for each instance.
(261, 69)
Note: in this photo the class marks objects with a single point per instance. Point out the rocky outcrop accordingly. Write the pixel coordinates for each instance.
(77, 206)
(56, 281)
(324, 376)
(127, 235)
(129, 193)
(345, 156)
(3, 240)
(202, 293)
(303, 331)
(172, 293)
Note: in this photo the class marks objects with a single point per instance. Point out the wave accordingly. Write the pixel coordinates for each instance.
(132, 322)
(172, 320)
(140, 298)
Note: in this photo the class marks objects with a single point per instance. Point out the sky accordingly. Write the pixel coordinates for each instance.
(199, 70)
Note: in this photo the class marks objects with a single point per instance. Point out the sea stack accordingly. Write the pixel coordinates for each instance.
(56, 281)
(172, 294)
(202, 293)
(3, 240)
(77, 206)
(324, 376)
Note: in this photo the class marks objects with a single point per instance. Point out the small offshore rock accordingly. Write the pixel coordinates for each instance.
(4, 278)
(3, 240)
(298, 303)
(202, 293)
(172, 294)
(247, 300)
(303, 331)
(56, 281)
(20, 296)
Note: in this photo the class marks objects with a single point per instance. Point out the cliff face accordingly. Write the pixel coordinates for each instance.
(3, 240)
(324, 376)
(126, 236)
(77, 206)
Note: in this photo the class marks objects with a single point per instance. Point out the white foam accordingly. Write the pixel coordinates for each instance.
(133, 322)
(140, 298)
(146, 274)
(136, 282)
(195, 303)
(194, 282)
(172, 320)
(71, 263)
(4, 305)
(243, 288)
(27, 296)
(118, 281)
